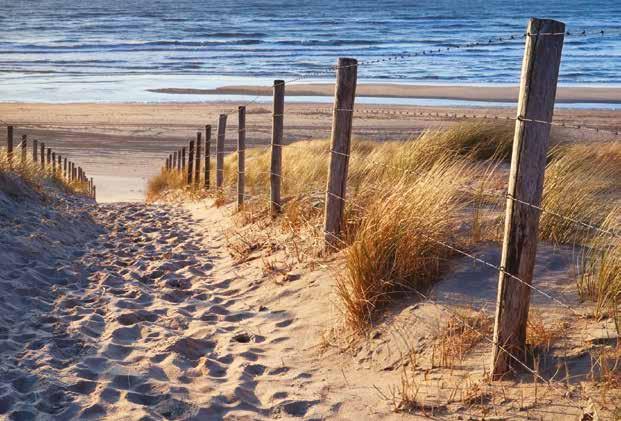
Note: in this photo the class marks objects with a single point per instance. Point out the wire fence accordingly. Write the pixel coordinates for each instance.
(329, 239)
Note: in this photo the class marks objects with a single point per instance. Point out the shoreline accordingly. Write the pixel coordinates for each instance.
(565, 94)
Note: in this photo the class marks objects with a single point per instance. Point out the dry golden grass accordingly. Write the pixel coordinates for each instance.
(402, 196)
(173, 186)
(33, 176)
(582, 183)
(464, 330)
(599, 279)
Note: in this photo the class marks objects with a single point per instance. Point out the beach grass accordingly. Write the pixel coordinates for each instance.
(20, 177)
(408, 201)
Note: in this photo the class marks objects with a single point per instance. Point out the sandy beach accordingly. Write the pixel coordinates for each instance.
(122, 145)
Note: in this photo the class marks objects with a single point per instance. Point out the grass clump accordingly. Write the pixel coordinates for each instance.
(19, 178)
(599, 280)
(581, 183)
(397, 245)
(170, 185)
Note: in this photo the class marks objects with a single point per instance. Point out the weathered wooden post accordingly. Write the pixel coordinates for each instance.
(60, 166)
(48, 162)
(277, 135)
(35, 150)
(345, 94)
(65, 167)
(174, 165)
(220, 151)
(24, 147)
(540, 67)
(183, 159)
(53, 163)
(197, 160)
(43, 155)
(190, 162)
(207, 154)
(9, 144)
(241, 155)
(95, 193)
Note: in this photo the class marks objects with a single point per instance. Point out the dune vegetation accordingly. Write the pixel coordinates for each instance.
(17, 176)
(406, 201)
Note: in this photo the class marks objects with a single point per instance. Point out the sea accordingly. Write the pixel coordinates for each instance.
(119, 50)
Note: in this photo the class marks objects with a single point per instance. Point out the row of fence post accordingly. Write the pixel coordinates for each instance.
(49, 161)
(536, 100)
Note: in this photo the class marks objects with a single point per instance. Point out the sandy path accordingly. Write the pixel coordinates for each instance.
(140, 319)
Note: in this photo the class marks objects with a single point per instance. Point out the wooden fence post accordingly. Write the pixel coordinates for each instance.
(190, 162)
(174, 165)
(220, 151)
(24, 147)
(197, 160)
(60, 166)
(278, 108)
(9, 143)
(65, 167)
(241, 156)
(35, 150)
(540, 67)
(207, 154)
(183, 159)
(53, 163)
(43, 155)
(345, 94)
(49, 158)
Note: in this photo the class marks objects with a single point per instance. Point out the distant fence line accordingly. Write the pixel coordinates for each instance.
(544, 41)
(48, 160)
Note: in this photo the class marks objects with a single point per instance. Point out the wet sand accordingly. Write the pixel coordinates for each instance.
(565, 94)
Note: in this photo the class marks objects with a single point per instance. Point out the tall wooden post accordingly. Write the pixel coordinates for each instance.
(190, 162)
(9, 143)
(65, 167)
(43, 155)
(53, 163)
(197, 160)
(35, 150)
(174, 165)
(60, 166)
(183, 159)
(278, 107)
(220, 151)
(540, 67)
(95, 193)
(207, 154)
(241, 156)
(345, 94)
(24, 147)
(48, 161)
